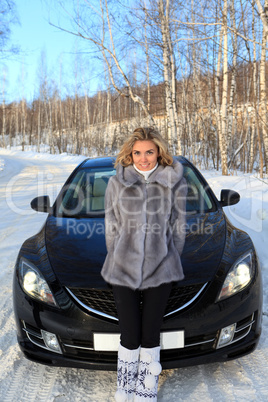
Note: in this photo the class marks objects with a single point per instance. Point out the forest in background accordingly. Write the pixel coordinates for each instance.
(197, 71)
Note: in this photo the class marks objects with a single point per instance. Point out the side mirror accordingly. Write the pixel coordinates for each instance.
(229, 197)
(41, 204)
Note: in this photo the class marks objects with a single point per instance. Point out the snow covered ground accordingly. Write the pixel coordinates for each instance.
(26, 175)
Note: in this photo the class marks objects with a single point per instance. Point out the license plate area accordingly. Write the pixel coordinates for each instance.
(110, 342)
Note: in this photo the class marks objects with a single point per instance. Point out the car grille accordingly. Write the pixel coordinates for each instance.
(101, 301)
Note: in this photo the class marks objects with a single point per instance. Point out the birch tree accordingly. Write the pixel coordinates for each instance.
(23, 122)
(3, 128)
(263, 85)
(232, 106)
(263, 13)
(96, 24)
(169, 70)
(224, 109)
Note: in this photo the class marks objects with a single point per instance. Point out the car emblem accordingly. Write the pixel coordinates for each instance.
(70, 331)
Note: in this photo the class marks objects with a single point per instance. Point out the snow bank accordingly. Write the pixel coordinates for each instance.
(30, 154)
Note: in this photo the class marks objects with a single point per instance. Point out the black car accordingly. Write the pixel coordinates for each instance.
(65, 312)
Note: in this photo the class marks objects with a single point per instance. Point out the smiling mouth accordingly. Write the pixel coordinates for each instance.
(145, 166)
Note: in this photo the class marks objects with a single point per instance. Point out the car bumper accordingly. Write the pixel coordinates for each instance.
(107, 361)
(201, 323)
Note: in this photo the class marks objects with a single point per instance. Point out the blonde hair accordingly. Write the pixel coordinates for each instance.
(144, 134)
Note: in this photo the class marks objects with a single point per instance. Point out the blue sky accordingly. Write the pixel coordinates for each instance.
(35, 35)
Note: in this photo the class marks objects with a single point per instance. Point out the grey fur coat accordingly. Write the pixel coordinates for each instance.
(145, 227)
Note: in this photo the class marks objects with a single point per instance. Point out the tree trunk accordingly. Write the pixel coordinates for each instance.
(167, 68)
(217, 95)
(264, 118)
(224, 110)
(4, 115)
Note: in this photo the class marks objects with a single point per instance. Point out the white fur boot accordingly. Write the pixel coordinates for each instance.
(127, 373)
(148, 374)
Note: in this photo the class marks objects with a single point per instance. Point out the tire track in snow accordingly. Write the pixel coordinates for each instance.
(31, 382)
(8, 343)
(77, 385)
(24, 383)
(239, 380)
(228, 381)
(254, 367)
(45, 386)
(7, 332)
(179, 387)
(5, 306)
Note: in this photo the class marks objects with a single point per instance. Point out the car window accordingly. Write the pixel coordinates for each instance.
(198, 199)
(84, 195)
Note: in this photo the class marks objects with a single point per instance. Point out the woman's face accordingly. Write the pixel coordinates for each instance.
(145, 154)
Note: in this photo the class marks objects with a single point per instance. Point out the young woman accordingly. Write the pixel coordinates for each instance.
(145, 234)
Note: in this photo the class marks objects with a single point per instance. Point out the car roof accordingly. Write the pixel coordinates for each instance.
(104, 161)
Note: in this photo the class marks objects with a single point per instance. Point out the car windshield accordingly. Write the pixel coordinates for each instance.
(84, 195)
(198, 199)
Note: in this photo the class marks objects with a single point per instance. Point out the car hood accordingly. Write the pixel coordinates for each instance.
(76, 249)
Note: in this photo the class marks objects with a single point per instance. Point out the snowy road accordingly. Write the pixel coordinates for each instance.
(22, 178)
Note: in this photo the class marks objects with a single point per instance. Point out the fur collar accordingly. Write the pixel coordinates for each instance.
(167, 176)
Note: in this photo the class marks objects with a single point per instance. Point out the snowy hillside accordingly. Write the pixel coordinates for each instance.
(26, 175)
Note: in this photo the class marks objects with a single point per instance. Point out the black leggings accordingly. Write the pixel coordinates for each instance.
(140, 326)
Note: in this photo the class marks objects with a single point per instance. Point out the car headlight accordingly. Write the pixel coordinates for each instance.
(34, 284)
(238, 277)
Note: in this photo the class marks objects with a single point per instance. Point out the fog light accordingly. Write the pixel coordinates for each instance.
(226, 335)
(51, 341)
